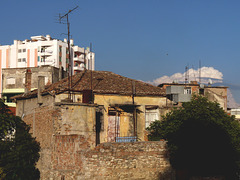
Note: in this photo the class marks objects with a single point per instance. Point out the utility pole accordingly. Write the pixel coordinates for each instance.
(134, 109)
(69, 66)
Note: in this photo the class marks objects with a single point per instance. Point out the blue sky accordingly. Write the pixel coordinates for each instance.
(140, 39)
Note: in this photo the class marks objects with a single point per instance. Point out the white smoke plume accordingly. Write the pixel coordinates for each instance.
(207, 73)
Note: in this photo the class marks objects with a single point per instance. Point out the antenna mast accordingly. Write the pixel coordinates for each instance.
(92, 100)
(194, 73)
(199, 71)
(69, 64)
(186, 74)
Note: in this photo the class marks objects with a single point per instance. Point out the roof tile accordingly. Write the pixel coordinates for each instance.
(103, 82)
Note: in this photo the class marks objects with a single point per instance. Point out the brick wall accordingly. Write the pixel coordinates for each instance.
(72, 159)
(67, 137)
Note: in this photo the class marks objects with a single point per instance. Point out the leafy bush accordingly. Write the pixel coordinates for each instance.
(201, 138)
(19, 151)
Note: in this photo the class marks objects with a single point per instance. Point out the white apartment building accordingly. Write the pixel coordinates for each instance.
(41, 50)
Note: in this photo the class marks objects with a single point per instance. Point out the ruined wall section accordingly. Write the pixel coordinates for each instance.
(41, 119)
(73, 159)
(76, 119)
(66, 161)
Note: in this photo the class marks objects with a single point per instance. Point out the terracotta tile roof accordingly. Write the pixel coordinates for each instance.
(103, 82)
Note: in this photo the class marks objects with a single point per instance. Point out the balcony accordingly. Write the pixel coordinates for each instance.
(79, 59)
(78, 68)
(126, 139)
(46, 53)
(78, 49)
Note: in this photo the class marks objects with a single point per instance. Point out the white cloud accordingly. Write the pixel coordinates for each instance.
(231, 101)
(192, 75)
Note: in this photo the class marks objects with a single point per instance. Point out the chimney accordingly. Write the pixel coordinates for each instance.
(28, 80)
(87, 96)
(41, 85)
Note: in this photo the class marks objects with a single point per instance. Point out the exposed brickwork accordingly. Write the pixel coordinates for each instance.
(72, 159)
(67, 136)
(65, 156)
(41, 120)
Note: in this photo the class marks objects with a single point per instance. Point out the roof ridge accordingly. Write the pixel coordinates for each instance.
(104, 82)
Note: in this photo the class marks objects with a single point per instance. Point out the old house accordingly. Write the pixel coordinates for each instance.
(179, 93)
(87, 109)
(14, 80)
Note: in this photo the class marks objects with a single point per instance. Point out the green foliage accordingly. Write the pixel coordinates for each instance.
(19, 151)
(200, 135)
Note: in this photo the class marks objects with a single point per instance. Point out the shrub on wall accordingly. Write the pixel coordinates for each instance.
(201, 138)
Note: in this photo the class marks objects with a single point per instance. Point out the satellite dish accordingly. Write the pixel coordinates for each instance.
(201, 86)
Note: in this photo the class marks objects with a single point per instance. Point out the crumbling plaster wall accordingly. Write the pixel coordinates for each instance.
(54, 119)
(66, 132)
(107, 100)
(76, 119)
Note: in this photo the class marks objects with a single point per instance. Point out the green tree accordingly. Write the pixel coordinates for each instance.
(201, 139)
(19, 151)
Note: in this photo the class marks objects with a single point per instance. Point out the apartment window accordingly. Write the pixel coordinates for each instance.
(60, 59)
(60, 48)
(43, 49)
(21, 59)
(151, 115)
(187, 90)
(38, 58)
(19, 51)
(24, 50)
(67, 60)
(11, 80)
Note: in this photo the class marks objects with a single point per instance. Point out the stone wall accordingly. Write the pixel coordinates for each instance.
(72, 159)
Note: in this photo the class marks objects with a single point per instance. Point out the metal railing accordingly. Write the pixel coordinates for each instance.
(126, 139)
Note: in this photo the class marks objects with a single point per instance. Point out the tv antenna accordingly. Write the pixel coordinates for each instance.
(186, 74)
(193, 73)
(69, 64)
(200, 71)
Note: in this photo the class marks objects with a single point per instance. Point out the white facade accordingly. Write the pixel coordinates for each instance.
(41, 50)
